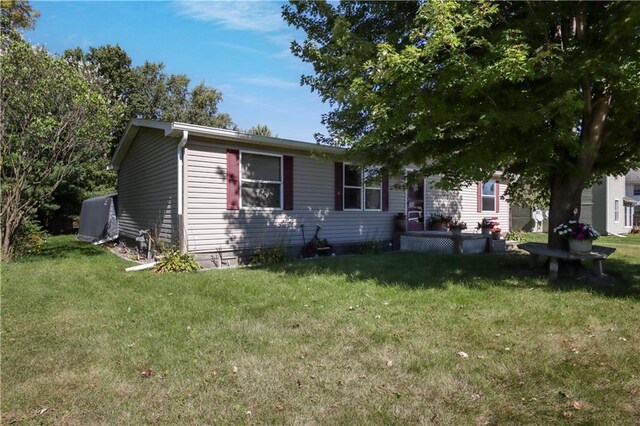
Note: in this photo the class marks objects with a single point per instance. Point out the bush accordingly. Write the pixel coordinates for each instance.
(517, 235)
(29, 239)
(277, 253)
(174, 261)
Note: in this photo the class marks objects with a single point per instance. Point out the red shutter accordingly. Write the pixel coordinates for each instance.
(385, 195)
(479, 197)
(338, 182)
(497, 192)
(287, 182)
(233, 179)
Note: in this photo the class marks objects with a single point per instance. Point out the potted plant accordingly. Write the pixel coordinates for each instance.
(495, 232)
(457, 227)
(439, 221)
(580, 236)
(487, 225)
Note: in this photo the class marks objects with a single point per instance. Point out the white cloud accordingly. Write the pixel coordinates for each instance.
(260, 16)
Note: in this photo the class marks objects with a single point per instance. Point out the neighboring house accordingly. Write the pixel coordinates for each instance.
(223, 193)
(632, 194)
(606, 206)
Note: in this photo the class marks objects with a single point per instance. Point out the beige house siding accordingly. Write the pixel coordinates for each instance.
(211, 227)
(147, 186)
(463, 204)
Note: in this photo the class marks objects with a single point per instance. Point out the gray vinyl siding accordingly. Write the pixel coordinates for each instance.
(211, 227)
(463, 204)
(147, 186)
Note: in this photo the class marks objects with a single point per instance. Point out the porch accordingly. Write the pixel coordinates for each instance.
(448, 243)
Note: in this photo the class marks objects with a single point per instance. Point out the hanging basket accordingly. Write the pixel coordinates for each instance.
(580, 246)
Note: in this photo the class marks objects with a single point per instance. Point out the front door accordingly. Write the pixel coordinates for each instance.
(415, 207)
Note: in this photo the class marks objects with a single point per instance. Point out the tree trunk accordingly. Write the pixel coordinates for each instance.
(566, 197)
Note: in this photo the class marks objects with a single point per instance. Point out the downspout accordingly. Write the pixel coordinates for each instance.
(182, 241)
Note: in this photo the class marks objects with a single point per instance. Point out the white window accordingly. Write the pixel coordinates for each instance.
(616, 211)
(362, 191)
(489, 195)
(628, 216)
(260, 180)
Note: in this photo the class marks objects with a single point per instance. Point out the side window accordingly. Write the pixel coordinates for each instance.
(260, 180)
(352, 187)
(489, 195)
(362, 191)
(372, 189)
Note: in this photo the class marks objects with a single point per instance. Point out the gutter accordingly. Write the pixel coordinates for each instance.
(182, 242)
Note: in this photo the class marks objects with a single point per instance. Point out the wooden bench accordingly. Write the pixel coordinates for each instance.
(536, 250)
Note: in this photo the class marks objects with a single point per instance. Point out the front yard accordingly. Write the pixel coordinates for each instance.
(385, 339)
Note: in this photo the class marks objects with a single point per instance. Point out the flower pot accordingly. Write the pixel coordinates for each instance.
(486, 231)
(496, 235)
(440, 226)
(580, 246)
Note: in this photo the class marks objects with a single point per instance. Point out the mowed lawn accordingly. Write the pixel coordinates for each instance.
(387, 339)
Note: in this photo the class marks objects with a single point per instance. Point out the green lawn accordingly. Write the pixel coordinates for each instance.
(345, 340)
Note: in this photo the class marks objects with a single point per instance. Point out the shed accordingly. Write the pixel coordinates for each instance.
(99, 220)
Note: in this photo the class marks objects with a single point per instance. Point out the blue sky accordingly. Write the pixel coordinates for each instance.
(240, 48)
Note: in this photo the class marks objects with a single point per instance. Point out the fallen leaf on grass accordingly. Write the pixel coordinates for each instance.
(463, 354)
(146, 373)
(279, 408)
(298, 384)
(389, 363)
(578, 405)
(234, 369)
(567, 414)
(42, 411)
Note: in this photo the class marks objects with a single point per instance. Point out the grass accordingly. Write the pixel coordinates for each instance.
(353, 339)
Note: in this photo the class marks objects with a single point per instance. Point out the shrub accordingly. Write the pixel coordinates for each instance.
(29, 239)
(277, 253)
(175, 261)
(517, 235)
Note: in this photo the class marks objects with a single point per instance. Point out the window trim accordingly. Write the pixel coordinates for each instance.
(628, 216)
(241, 180)
(616, 210)
(494, 196)
(363, 190)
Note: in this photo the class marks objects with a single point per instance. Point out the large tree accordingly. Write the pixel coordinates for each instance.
(547, 92)
(55, 116)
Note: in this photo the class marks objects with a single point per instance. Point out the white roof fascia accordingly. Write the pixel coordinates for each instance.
(233, 135)
(176, 128)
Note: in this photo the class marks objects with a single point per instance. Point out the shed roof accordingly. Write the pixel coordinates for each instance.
(176, 129)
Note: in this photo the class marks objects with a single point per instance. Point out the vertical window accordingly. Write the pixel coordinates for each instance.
(362, 190)
(636, 189)
(372, 189)
(260, 180)
(616, 211)
(489, 195)
(352, 187)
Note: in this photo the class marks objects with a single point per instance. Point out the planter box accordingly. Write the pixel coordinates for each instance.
(580, 246)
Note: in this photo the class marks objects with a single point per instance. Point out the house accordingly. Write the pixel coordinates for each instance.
(632, 196)
(220, 194)
(607, 207)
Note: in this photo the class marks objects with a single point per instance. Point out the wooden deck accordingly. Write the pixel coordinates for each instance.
(540, 250)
